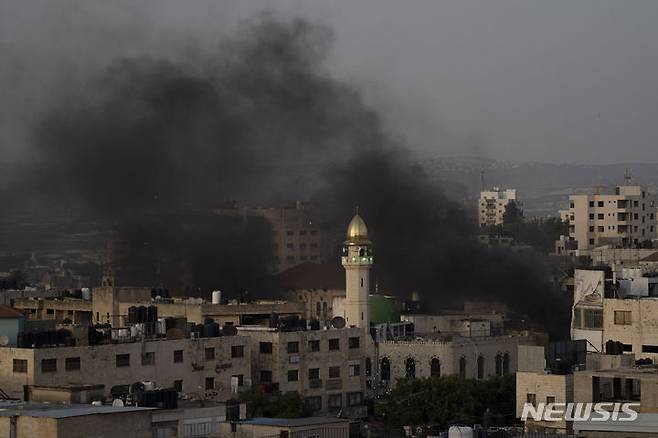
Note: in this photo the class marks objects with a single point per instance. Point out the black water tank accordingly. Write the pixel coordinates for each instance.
(152, 314)
(132, 314)
(141, 314)
(211, 330)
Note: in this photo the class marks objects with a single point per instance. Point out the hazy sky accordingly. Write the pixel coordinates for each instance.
(546, 80)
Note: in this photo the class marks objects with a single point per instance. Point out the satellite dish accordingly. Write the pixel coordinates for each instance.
(117, 403)
(4, 340)
(338, 322)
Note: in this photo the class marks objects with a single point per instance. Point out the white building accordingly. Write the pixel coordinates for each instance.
(492, 205)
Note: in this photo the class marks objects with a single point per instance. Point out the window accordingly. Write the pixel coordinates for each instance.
(591, 216)
(210, 353)
(601, 229)
(385, 369)
(293, 347)
(178, 385)
(531, 398)
(123, 360)
(290, 246)
(313, 373)
(480, 367)
(650, 349)
(314, 403)
(354, 342)
(265, 348)
(293, 375)
(354, 398)
(313, 345)
(237, 351)
(593, 318)
(72, 363)
(600, 216)
(499, 364)
(210, 383)
(550, 399)
(334, 344)
(335, 401)
(591, 203)
(355, 370)
(601, 204)
(623, 317)
(410, 368)
(462, 367)
(266, 376)
(178, 356)
(368, 367)
(289, 233)
(20, 365)
(334, 372)
(148, 358)
(506, 363)
(435, 368)
(48, 365)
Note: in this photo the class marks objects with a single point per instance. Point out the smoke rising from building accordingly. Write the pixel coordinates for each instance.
(262, 121)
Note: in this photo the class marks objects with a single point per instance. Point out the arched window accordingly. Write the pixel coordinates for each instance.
(410, 368)
(324, 308)
(506, 363)
(499, 364)
(368, 367)
(386, 369)
(435, 368)
(480, 367)
(462, 367)
(318, 308)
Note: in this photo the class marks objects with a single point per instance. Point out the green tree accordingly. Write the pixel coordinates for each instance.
(289, 405)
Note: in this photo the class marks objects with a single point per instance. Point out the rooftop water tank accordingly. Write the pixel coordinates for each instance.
(217, 297)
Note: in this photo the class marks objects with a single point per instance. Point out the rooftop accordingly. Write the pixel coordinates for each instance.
(47, 410)
(295, 422)
(10, 312)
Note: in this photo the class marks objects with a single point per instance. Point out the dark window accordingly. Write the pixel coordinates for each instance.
(385, 369)
(313, 403)
(368, 367)
(499, 364)
(593, 318)
(354, 342)
(265, 347)
(506, 363)
(290, 232)
(591, 216)
(293, 375)
(266, 376)
(210, 383)
(623, 317)
(178, 385)
(210, 353)
(355, 370)
(290, 246)
(293, 347)
(531, 398)
(148, 358)
(410, 368)
(462, 367)
(550, 399)
(480, 367)
(334, 344)
(48, 365)
(354, 398)
(313, 345)
(313, 373)
(600, 216)
(237, 351)
(20, 365)
(123, 360)
(334, 372)
(72, 363)
(178, 356)
(650, 349)
(601, 204)
(435, 368)
(335, 401)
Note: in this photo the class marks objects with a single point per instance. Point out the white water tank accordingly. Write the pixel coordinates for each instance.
(86, 293)
(460, 432)
(217, 297)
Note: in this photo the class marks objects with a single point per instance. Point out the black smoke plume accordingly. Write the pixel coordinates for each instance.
(262, 121)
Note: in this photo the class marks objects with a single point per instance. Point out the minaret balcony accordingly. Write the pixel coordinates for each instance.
(357, 260)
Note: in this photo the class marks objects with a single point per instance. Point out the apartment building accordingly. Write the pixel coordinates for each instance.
(298, 237)
(492, 205)
(201, 367)
(331, 369)
(625, 217)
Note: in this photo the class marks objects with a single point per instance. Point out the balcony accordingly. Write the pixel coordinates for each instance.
(623, 217)
(334, 384)
(315, 383)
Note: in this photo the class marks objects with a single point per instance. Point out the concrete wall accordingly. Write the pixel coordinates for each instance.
(560, 387)
(643, 329)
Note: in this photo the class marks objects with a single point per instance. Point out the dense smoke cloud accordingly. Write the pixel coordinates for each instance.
(261, 122)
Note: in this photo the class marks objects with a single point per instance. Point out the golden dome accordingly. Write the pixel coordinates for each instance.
(357, 232)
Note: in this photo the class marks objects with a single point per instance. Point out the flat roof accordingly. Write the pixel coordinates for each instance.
(48, 410)
(295, 422)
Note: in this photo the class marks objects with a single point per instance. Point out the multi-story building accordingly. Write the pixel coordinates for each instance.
(330, 369)
(201, 367)
(492, 205)
(626, 217)
(298, 237)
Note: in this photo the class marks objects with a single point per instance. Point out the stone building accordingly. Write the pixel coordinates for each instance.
(492, 205)
(202, 368)
(312, 427)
